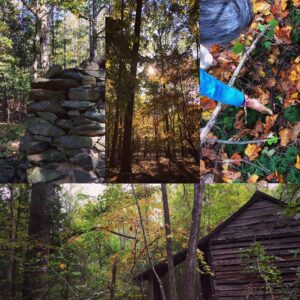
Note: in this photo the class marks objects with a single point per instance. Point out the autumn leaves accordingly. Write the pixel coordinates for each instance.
(245, 146)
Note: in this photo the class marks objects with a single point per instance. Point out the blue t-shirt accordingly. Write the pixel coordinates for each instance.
(216, 90)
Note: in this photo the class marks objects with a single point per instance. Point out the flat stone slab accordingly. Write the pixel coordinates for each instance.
(74, 114)
(42, 127)
(85, 161)
(74, 142)
(46, 106)
(54, 84)
(47, 116)
(80, 105)
(64, 124)
(48, 155)
(54, 71)
(97, 116)
(82, 94)
(38, 174)
(42, 94)
(84, 176)
(92, 129)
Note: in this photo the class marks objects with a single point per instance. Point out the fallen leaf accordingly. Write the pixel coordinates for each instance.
(285, 136)
(297, 165)
(62, 266)
(253, 178)
(296, 132)
(237, 159)
(230, 176)
(283, 35)
(262, 7)
(296, 3)
(252, 151)
(270, 121)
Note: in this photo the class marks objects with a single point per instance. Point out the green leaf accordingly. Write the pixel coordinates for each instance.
(261, 27)
(268, 45)
(238, 48)
(272, 140)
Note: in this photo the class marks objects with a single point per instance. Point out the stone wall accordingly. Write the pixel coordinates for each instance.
(65, 126)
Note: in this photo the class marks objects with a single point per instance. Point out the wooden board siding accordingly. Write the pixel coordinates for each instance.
(263, 222)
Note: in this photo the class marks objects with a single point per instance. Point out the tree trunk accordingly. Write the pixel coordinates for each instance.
(126, 149)
(42, 16)
(169, 243)
(113, 279)
(191, 259)
(35, 285)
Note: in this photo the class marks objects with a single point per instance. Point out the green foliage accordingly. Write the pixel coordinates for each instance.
(292, 114)
(260, 263)
(238, 48)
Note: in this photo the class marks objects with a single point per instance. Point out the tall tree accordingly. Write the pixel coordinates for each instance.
(191, 259)
(127, 142)
(169, 244)
(36, 283)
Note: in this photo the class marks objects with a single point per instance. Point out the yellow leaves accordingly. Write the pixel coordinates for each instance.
(253, 178)
(285, 136)
(62, 266)
(294, 76)
(252, 151)
(297, 165)
(261, 7)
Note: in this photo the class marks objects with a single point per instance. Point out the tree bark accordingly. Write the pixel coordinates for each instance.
(191, 259)
(126, 149)
(36, 285)
(169, 243)
(113, 279)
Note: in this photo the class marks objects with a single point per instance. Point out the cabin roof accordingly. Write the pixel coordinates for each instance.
(162, 267)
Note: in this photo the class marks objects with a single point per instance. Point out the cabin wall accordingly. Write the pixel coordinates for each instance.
(262, 222)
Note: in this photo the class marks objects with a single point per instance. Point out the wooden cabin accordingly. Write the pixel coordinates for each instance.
(262, 219)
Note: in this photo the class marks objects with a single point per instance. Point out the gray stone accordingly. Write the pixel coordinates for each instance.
(47, 116)
(54, 84)
(80, 105)
(98, 116)
(42, 94)
(92, 129)
(90, 65)
(74, 142)
(54, 71)
(82, 121)
(64, 124)
(100, 90)
(38, 174)
(81, 94)
(89, 80)
(85, 161)
(46, 106)
(82, 176)
(29, 145)
(42, 138)
(74, 114)
(48, 155)
(42, 127)
(98, 74)
(73, 75)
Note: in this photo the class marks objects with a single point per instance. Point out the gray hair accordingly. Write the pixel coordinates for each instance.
(221, 21)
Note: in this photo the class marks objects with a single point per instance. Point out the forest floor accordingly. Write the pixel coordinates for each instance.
(149, 171)
(272, 75)
(10, 136)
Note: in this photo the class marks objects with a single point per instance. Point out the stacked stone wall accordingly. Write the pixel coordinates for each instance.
(65, 126)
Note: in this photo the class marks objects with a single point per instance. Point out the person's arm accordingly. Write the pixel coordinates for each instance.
(217, 90)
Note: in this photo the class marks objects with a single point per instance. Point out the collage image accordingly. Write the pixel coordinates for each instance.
(149, 149)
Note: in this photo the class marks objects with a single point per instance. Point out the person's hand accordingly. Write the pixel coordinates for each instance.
(256, 105)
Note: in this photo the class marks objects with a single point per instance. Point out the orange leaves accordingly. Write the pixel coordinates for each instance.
(297, 165)
(285, 136)
(283, 35)
(296, 3)
(62, 266)
(230, 176)
(252, 151)
(270, 121)
(203, 169)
